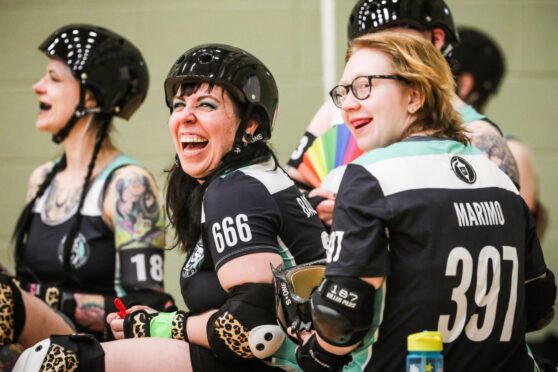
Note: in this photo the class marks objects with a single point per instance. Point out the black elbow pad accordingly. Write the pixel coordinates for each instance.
(343, 310)
(540, 296)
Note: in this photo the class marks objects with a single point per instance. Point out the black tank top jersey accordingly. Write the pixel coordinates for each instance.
(97, 268)
(253, 209)
(456, 243)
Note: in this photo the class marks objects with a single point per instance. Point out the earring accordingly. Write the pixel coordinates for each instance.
(176, 160)
(412, 110)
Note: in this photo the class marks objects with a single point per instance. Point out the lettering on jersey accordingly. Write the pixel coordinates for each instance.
(306, 207)
(334, 247)
(479, 214)
(341, 296)
(463, 170)
(230, 230)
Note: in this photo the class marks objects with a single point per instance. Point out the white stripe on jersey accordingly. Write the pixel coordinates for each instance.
(434, 171)
(274, 180)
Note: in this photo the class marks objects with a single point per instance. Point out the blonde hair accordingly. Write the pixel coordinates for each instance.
(424, 68)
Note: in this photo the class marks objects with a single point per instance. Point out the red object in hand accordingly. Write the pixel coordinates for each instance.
(121, 308)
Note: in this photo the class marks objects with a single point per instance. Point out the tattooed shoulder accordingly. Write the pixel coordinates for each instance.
(495, 146)
(138, 217)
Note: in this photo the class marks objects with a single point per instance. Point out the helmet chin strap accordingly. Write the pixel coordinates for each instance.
(79, 112)
(238, 144)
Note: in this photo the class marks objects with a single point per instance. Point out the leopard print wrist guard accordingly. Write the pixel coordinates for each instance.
(178, 331)
(137, 324)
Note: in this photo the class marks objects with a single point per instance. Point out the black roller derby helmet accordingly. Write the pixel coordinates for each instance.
(104, 62)
(480, 55)
(238, 71)
(370, 16)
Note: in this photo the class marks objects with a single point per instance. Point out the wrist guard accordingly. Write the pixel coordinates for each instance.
(12, 310)
(312, 357)
(165, 325)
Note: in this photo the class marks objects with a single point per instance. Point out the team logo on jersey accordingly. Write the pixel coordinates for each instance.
(194, 262)
(80, 251)
(463, 170)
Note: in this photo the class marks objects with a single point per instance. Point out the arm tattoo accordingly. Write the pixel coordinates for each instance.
(498, 151)
(138, 220)
(90, 311)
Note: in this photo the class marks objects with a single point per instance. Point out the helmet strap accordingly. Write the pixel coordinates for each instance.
(79, 112)
(239, 144)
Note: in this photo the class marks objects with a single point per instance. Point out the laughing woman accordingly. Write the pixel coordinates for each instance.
(236, 214)
(92, 229)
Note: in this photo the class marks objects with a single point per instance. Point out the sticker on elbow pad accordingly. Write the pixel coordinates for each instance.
(340, 295)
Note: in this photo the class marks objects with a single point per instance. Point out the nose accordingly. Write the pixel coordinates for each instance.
(187, 116)
(39, 87)
(350, 102)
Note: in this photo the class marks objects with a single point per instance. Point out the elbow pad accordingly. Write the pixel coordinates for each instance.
(343, 310)
(12, 310)
(245, 327)
(540, 295)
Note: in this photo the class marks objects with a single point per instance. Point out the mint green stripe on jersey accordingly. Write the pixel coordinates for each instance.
(469, 114)
(416, 148)
(285, 253)
(119, 161)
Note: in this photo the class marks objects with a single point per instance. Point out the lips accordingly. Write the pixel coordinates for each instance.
(44, 106)
(191, 143)
(360, 123)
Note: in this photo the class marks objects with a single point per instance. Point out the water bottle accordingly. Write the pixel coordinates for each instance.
(425, 352)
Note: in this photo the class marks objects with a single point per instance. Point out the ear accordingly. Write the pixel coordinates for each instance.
(438, 38)
(252, 126)
(465, 84)
(416, 100)
(90, 100)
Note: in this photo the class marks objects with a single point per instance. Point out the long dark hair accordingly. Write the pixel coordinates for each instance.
(185, 193)
(19, 236)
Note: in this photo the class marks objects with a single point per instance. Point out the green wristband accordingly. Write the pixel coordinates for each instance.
(161, 325)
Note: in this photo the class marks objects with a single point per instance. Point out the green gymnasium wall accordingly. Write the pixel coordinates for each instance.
(284, 34)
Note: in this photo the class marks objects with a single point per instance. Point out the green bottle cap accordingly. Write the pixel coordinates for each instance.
(425, 341)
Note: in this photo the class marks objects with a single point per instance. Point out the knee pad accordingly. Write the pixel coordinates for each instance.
(228, 330)
(343, 310)
(12, 310)
(63, 353)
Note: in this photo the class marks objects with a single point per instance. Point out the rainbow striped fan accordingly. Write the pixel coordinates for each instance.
(334, 148)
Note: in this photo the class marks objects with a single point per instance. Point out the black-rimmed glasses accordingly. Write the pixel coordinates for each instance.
(361, 88)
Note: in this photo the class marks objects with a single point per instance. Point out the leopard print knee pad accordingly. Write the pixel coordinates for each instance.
(12, 310)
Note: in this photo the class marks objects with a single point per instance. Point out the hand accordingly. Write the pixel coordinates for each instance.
(325, 207)
(117, 324)
(303, 336)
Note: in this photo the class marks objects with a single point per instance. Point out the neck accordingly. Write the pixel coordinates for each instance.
(79, 145)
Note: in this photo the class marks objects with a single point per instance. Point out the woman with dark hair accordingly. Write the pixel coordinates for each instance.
(92, 229)
(236, 213)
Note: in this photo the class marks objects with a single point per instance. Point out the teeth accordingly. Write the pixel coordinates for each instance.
(192, 139)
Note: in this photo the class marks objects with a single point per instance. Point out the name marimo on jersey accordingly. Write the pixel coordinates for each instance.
(487, 213)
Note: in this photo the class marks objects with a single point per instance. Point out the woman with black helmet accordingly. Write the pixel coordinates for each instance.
(92, 228)
(236, 214)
